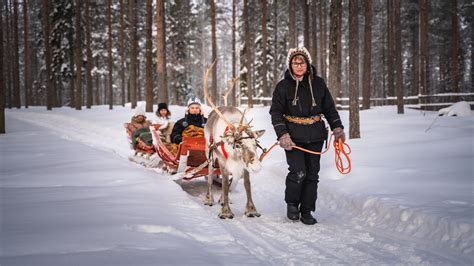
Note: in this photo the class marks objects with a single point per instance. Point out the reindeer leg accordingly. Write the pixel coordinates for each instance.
(209, 199)
(225, 210)
(250, 210)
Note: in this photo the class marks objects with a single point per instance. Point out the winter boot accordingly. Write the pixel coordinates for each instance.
(292, 211)
(308, 219)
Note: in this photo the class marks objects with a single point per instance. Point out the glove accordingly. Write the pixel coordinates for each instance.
(339, 134)
(286, 142)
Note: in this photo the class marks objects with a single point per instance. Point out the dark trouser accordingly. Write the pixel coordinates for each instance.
(302, 180)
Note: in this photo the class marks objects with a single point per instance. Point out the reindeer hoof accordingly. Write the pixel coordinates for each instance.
(252, 214)
(208, 202)
(226, 215)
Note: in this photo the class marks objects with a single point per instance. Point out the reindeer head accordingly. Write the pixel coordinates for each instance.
(240, 142)
(243, 143)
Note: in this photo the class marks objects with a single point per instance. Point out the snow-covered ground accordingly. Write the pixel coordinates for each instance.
(69, 196)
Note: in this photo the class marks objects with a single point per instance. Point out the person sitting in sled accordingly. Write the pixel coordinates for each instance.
(139, 127)
(192, 124)
(164, 122)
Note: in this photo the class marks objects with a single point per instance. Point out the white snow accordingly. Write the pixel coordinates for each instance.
(462, 108)
(69, 196)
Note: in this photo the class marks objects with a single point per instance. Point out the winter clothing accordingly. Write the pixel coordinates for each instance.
(286, 142)
(298, 51)
(296, 110)
(302, 179)
(308, 219)
(196, 120)
(194, 100)
(139, 111)
(292, 211)
(294, 98)
(162, 106)
(339, 134)
(135, 123)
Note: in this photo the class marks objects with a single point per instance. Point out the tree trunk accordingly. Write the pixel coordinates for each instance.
(265, 88)
(133, 54)
(234, 56)
(2, 81)
(49, 85)
(26, 53)
(89, 99)
(8, 58)
(335, 50)
(314, 33)
(160, 47)
(214, 54)
(390, 53)
(109, 50)
(16, 58)
(122, 51)
(97, 84)
(248, 62)
(306, 26)
(78, 55)
(292, 17)
(322, 38)
(70, 38)
(424, 51)
(455, 48)
(415, 64)
(149, 73)
(398, 55)
(366, 86)
(354, 131)
(275, 44)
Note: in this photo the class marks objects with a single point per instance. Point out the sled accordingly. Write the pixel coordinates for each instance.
(189, 160)
(141, 147)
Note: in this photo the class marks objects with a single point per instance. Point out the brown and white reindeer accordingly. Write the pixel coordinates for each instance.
(230, 140)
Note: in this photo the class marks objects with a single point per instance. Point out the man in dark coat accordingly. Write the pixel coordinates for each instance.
(193, 117)
(299, 102)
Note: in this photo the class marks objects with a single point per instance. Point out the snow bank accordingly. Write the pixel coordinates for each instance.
(457, 109)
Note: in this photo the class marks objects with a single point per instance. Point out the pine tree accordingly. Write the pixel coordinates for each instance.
(354, 131)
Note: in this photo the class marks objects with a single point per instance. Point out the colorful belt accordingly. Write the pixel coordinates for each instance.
(303, 120)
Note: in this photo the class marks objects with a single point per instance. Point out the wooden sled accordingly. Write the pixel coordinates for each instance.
(189, 161)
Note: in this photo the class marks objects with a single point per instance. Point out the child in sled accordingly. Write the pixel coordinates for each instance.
(164, 122)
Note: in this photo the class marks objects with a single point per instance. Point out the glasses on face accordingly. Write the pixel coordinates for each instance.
(298, 64)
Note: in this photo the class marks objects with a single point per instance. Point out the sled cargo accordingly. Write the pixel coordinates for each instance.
(189, 158)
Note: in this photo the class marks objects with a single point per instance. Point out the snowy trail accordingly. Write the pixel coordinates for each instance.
(339, 238)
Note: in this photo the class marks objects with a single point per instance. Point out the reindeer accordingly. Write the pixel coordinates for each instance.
(230, 140)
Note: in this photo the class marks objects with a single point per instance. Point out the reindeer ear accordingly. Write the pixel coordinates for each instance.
(258, 133)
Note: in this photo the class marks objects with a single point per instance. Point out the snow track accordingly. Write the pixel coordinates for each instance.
(351, 230)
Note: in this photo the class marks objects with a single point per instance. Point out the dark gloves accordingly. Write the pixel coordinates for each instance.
(339, 134)
(286, 142)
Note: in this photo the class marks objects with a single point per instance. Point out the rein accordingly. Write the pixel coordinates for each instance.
(339, 147)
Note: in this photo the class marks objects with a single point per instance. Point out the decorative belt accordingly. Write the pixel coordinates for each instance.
(303, 120)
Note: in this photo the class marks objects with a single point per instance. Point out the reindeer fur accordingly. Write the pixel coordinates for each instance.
(242, 156)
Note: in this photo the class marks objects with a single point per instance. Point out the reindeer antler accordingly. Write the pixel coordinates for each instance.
(231, 87)
(243, 126)
(209, 100)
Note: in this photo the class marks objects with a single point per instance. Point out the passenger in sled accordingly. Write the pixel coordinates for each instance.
(192, 125)
(163, 122)
(139, 132)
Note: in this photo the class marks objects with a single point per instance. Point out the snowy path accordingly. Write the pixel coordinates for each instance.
(339, 238)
